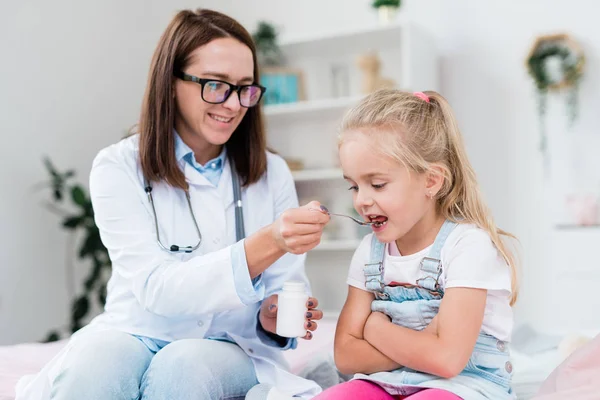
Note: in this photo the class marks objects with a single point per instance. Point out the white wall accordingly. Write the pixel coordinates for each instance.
(73, 73)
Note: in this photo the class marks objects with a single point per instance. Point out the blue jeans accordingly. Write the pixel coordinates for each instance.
(116, 365)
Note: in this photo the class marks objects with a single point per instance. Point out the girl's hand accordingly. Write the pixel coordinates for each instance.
(299, 230)
(268, 316)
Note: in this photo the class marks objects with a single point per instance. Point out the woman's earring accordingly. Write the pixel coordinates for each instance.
(430, 194)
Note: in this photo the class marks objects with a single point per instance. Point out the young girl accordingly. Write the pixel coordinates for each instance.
(428, 313)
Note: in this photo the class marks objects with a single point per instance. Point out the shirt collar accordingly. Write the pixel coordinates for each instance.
(183, 151)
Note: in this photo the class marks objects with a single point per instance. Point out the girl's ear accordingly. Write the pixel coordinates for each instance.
(434, 181)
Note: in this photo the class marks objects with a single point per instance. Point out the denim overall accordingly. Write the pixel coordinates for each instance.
(488, 371)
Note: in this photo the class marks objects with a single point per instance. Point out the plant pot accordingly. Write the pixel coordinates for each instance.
(387, 14)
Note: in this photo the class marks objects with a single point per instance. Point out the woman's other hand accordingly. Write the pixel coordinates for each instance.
(268, 316)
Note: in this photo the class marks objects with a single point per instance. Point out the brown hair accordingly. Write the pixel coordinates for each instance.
(419, 134)
(187, 31)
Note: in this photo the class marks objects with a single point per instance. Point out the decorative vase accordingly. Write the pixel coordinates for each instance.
(387, 14)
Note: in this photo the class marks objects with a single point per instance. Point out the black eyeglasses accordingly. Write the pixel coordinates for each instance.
(215, 91)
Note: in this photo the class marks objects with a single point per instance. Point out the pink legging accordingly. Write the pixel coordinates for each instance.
(365, 390)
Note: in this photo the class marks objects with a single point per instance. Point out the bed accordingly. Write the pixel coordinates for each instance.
(28, 358)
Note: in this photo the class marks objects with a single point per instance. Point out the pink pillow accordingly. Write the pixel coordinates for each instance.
(578, 377)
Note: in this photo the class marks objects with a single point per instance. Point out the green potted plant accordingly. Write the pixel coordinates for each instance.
(387, 9)
(267, 50)
(78, 218)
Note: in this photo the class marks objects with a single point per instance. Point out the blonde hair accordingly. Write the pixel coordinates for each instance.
(420, 134)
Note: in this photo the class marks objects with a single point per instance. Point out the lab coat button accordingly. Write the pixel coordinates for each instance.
(200, 323)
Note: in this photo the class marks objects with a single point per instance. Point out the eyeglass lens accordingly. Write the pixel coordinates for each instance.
(217, 92)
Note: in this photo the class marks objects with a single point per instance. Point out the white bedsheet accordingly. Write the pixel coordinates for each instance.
(22, 359)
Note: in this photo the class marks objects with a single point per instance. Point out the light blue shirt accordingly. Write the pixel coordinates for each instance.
(248, 290)
(212, 170)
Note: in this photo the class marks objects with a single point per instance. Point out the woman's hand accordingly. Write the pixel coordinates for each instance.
(268, 316)
(299, 230)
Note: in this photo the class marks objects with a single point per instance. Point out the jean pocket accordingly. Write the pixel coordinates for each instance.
(494, 367)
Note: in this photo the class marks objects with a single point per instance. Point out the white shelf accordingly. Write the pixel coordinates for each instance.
(312, 106)
(373, 34)
(318, 175)
(331, 245)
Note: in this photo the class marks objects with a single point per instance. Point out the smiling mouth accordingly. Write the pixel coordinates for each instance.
(220, 119)
(378, 220)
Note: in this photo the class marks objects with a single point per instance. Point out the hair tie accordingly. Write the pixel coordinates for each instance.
(422, 96)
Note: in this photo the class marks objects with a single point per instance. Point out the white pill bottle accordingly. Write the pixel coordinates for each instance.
(291, 310)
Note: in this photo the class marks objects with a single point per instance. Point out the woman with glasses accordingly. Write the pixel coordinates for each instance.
(203, 228)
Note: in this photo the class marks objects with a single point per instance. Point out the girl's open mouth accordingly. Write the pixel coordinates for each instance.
(378, 220)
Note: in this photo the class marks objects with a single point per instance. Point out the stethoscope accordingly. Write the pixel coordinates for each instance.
(240, 232)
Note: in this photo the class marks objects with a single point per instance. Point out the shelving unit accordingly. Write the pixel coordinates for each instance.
(311, 107)
(307, 130)
(322, 174)
(574, 227)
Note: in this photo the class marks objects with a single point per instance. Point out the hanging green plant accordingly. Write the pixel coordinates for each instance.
(568, 58)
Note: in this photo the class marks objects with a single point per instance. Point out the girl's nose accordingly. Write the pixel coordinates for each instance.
(363, 200)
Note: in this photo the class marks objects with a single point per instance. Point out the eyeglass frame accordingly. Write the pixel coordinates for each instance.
(234, 88)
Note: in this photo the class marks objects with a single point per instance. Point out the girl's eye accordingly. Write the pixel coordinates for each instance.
(378, 186)
(354, 188)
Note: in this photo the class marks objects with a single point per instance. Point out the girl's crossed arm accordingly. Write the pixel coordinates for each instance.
(353, 354)
(444, 351)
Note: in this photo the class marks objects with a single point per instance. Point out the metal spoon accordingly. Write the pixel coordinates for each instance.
(358, 221)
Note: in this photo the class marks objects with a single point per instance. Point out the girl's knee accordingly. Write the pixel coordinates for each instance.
(433, 394)
(355, 389)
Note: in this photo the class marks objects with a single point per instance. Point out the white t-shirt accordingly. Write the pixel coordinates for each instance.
(469, 259)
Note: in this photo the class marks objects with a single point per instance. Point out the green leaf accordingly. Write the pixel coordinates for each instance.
(78, 195)
(94, 275)
(102, 295)
(88, 210)
(92, 243)
(72, 222)
(81, 307)
(50, 167)
(75, 326)
(389, 3)
(52, 336)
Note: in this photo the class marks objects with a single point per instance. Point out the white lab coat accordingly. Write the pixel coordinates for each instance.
(176, 296)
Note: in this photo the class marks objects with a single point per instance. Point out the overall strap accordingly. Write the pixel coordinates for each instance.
(431, 265)
(374, 269)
